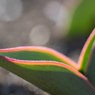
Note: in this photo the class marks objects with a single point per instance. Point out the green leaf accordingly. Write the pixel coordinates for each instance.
(83, 20)
(86, 51)
(90, 71)
(37, 53)
(53, 77)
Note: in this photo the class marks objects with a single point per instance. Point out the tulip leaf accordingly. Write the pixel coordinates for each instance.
(83, 20)
(90, 71)
(37, 53)
(53, 77)
(85, 54)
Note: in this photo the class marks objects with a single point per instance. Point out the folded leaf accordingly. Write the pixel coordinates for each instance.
(85, 54)
(37, 53)
(53, 77)
(90, 71)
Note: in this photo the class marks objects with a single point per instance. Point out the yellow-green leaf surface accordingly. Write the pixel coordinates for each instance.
(86, 51)
(37, 53)
(53, 77)
(90, 71)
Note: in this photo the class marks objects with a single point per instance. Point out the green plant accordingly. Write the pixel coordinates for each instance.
(52, 71)
(84, 16)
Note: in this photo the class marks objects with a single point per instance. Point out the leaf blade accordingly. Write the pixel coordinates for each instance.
(53, 77)
(85, 53)
(91, 67)
(37, 53)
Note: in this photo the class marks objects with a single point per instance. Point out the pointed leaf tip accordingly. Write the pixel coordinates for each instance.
(85, 53)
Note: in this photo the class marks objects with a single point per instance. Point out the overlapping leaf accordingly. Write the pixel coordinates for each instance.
(36, 65)
(85, 54)
(37, 53)
(90, 71)
(43, 53)
(55, 78)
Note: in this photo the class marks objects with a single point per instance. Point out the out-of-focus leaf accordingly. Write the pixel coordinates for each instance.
(83, 20)
(53, 77)
(90, 72)
(85, 54)
(37, 53)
